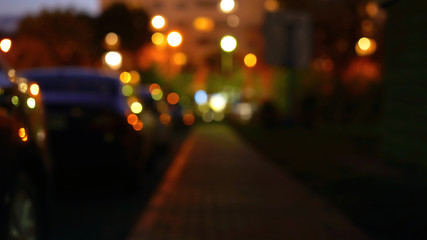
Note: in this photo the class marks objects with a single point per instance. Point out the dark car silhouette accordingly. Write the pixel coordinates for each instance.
(25, 165)
(87, 123)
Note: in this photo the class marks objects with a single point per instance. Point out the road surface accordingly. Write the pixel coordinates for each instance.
(217, 187)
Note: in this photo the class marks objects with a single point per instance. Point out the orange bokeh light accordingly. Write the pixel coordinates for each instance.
(153, 87)
(138, 125)
(173, 98)
(250, 60)
(165, 118)
(34, 89)
(188, 119)
(22, 133)
(132, 119)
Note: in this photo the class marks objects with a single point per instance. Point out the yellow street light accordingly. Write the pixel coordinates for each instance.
(365, 46)
(228, 43)
(5, 45)
(158, 38)
(174, 39)
(250, 60)
(158, 22)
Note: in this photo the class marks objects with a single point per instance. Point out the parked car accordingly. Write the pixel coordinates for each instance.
(25, 165)
(87, 122)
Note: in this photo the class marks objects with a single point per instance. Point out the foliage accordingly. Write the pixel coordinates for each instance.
(64, 37)
(130, 25)
(67, 43)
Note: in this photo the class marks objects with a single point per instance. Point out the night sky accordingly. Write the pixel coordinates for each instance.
(22, 7)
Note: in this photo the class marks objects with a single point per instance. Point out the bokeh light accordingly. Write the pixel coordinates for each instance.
(227, 5)
(111, 39)
(201, 97)
(5, 45)
(157, 94)
(250, 60)
(22, 133)
(365, 46)
(165, 118)
(179, 58)
(136, 107)
(244, 111)
(228, 43)
(153, 86)
(34, 89)
(271, 5)
(218, 102)
(173, 98)
(372, 9)
(132, 119)
(188, 119)
(127, 90)
(135, 77)
(113, 60)
(158, 38)
(208, 116)
(174, 39)
(31, 102)
(138, 125)
(125, 77)
(203, 24)
(233, 20)
(23, 87)
(15, 100)
(158, 22)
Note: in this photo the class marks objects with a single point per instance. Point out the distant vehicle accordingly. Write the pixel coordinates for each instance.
(87, 121)
(160, 129)
(25, 165)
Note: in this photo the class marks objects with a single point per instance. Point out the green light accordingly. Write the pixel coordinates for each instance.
(127, 90)
(157, 94)
(15, 100)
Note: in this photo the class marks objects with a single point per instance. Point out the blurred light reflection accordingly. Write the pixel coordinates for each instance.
(5, 45)
(31, 102)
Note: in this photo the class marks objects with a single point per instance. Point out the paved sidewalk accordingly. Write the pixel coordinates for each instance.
(219, 188)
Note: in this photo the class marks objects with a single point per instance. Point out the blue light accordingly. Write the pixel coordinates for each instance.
(201, 97)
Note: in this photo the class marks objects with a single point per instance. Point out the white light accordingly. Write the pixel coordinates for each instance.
(218, 102)
(228, 43)
(201, 97)
(114, 60)
(174, 39)
(244, 110)
(158, 22)
(31, 102)
(227, 5)
(136, 107)
(5, 45)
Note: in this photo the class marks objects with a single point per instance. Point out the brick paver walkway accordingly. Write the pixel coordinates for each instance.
(219, 188)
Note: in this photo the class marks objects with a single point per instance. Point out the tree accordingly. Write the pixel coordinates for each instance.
(67, 39)
(130, 25)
